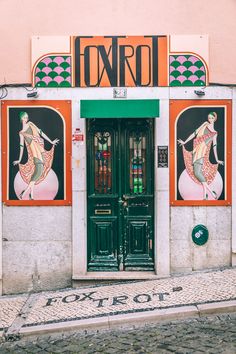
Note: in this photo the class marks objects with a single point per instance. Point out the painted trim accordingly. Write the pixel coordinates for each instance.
(119, 108)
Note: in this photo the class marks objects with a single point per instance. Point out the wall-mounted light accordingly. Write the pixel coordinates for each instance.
(33, 94)
(199, 92)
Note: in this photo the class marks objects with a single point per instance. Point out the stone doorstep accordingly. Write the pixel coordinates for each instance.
(146, 275)
(126, 276)
(127, 320)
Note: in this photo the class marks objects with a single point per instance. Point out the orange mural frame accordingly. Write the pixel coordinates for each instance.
(176, 108)
(63, 108)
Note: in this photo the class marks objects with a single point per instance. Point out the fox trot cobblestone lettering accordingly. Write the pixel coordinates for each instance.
(115, 300)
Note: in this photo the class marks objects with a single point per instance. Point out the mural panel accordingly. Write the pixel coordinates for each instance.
(200, 147)
(36, 152)
(54, 71)
(120, 61)
(186, 70)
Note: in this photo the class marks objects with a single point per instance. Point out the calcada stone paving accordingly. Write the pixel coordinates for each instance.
(109, 300)
(10, 308)
(134, 297)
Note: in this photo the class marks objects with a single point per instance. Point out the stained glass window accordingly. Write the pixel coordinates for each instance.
(137, 146)
(102, 163)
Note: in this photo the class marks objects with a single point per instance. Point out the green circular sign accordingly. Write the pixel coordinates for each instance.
(200, 235)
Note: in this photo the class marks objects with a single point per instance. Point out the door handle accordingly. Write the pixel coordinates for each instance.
(127, 197)
(124, 202)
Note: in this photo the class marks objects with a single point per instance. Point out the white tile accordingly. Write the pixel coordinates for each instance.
(35, 266)
(79, 227)
(181, 255)
(181, 223)
(44, 223)
(162, 231)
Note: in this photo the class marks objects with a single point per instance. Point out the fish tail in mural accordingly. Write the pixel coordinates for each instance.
(36, 169)
(39, 163)
(201, 170)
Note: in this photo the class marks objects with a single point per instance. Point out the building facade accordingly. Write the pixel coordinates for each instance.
(117, 149)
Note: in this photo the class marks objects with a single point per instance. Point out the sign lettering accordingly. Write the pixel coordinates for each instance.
(121, 61)
(112, 301)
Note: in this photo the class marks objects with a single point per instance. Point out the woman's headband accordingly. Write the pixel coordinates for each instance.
(213, 114)
(22, 114)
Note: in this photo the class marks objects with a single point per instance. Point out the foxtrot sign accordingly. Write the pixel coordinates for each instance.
(120, 61)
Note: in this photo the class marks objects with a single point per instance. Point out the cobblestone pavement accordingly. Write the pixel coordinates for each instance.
(109, 300)
(216, 334)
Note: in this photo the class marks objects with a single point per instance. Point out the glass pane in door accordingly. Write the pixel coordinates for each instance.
(137, 156)
(103, 162)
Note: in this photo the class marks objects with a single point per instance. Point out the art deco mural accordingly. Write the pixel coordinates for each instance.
(200, 147)
(54, 71)
(120, 61)
(36, 150)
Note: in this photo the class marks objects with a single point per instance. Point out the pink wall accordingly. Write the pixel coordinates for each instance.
(21, 19)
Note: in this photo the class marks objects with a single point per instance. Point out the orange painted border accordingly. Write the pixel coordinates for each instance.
(163, 65)
(176, 107)
(64, 108)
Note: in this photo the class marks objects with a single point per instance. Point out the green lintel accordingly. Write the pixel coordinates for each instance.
(119, 108)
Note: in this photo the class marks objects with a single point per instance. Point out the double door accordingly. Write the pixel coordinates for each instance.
(120, 194)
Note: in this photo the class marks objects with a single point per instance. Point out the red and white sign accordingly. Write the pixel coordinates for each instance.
(77, 135)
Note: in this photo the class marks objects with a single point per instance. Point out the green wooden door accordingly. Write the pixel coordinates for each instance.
(120, 200)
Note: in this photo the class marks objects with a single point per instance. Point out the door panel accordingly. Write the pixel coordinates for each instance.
(104, 246)
(138, 243)
(120, 194)
(138, 250)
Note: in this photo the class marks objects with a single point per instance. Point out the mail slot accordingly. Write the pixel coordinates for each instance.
(102, 211)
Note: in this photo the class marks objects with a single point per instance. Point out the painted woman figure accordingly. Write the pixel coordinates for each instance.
(197, 163)
(39, 160)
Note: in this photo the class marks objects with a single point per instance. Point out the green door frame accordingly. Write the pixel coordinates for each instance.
(93, 109)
